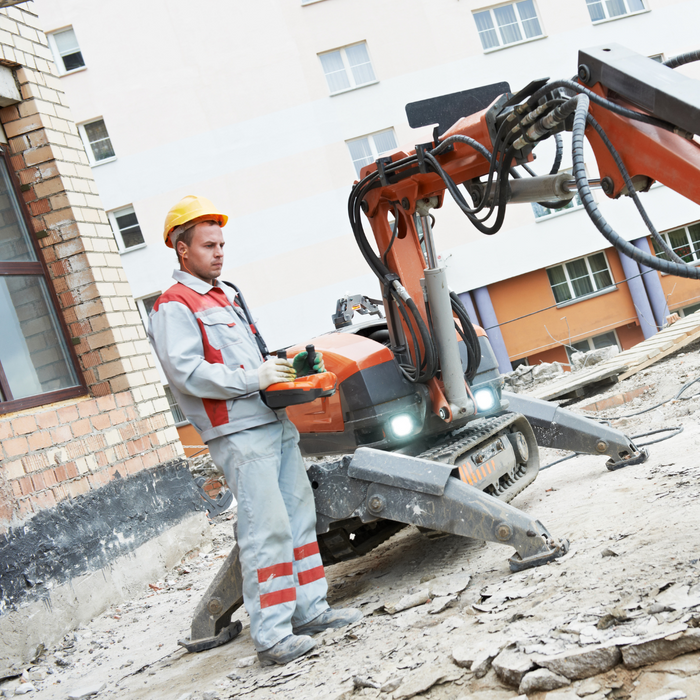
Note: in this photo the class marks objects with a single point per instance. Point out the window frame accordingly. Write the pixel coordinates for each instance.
(38, 268)
(497, 27)
(347, 68)
(58, 56)
(87, 144)
(112, 217)
(591, 345)
(693, 246)
(596, 292)
(607, 18)
(372, 147)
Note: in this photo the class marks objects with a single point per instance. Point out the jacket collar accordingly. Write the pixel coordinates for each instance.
(194, 283)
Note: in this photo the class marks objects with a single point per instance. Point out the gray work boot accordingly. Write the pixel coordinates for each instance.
(286, 650)
(330, 618)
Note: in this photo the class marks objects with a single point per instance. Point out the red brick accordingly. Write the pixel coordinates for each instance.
(19, 144)
(38, 481)
(91, 359)
(96, 442)
(61, 473)
(67, 414)
(5, 430)
(39, 207)
(40, 440)
(137, 446)
(60, 492)
(72, 469)
(118, 417)
(98, 480)
(39, 155)
(150, 459)
(24, 508)
(25, 485)
(100, 389)
(35, 462)
(38, 138)
(28, 176)
(61, 434)
(106, 403)
(87, 408)
(124, 398)
(78, 487)
(134, 465)
(17, 487)
(49, 478)
(47, 420)
(18, 162)
(131, 413)
(102, 460)
(22, 126)
(76, 448)
(127, 431)
(9, 114)
(79, 328)
(166, 453)
(100, 422)
(15, 447)
(24, 425)
(121, 451)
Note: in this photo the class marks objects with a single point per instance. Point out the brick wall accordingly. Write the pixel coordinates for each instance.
(124, 424)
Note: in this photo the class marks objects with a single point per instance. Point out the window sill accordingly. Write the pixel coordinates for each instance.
(601, 293)
(75, 70)
(557, 214)
(351, 89)
(613, 19)
(96, 163)
(515, 43)
(122, 251)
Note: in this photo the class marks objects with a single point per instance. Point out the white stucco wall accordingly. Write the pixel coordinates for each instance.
(228, 100)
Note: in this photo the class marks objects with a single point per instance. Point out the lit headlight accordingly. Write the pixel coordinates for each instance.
(402, 425)
(485, 399)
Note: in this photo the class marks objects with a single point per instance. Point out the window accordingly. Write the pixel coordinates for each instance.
(596, 343)
(145, 306)
(96, 140)
(687, 310)
(508, 24)
(347, 68)
(367, 149)
(579, 278)
(684, 241)
(541, 212)
(178, 415)
(37, 365)
(66, 52)
(126, 228)
(601, 10)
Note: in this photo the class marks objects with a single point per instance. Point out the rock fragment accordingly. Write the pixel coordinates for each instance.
(408, 601)
(463, 656)
(246, 661)
(582, 664)
(674, 695)
(87, 691)
(482, 661)
(441, 604)
(511, 665)
(448, 585)
(424, 679)
(661, 648)
(391, 685)
(25, 688)
(359, 682)
(588, 687)
(541, 679)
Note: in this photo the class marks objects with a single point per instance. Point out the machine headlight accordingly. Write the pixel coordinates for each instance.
(402, 425)
(485, 399)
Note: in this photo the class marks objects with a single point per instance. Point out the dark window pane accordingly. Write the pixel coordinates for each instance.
(33, 352)
(132, 237)
(99, 140)
(73, 61)
(126, 220)
(15, 245)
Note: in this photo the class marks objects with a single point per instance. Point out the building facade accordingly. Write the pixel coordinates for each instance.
(95, 496)
(274, 125)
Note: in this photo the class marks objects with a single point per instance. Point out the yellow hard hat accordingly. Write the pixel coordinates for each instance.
(188, 209)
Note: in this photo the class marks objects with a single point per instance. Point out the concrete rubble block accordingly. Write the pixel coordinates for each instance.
(86, 691)
(392, 684)
(448, 585)
(463, 656)
(660, 648)
(443, 603)
(425, 678)
(581, 664)
(24, 689)
(590, 686)
(408, 601)
(673, 695)
(542, 679)
(511, 665)
(583, 360)
(482, 661)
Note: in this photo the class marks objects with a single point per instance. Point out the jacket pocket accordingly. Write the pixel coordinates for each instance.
(221, 332)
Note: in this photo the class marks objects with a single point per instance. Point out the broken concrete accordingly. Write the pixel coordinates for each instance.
(541, 679)
(511, 665)
(582, 664)
(660, 648)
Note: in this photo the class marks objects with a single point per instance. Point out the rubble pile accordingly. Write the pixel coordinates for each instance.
(617, 618)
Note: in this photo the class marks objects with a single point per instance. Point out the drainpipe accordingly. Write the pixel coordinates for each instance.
(652, 284)
(466, 299)
(639, 296)
(482, 299)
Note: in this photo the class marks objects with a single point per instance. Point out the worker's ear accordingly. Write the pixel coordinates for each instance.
(181, 249)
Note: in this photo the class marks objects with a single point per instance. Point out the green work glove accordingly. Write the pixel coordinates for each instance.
(301, 366)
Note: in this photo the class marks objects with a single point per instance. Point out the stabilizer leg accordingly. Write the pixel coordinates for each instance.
(560, 429)
(211, 624)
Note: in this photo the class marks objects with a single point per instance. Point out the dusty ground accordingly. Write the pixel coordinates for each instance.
(631, 574)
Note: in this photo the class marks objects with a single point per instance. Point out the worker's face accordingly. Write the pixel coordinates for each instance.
(204, 256)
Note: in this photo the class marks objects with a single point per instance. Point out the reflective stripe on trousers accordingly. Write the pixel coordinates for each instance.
(283, 579)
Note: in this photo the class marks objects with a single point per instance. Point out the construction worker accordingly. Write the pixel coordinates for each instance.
(216, 371)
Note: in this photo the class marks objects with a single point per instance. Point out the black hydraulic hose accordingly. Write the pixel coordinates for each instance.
(682, 59)
(631, 251)
(468, 334)
(558, 155)
(603, 102)
(633, 192)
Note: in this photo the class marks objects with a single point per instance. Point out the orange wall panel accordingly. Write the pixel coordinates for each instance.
(554, 325)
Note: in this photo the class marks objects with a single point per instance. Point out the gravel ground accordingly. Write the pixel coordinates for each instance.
(618, 617)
